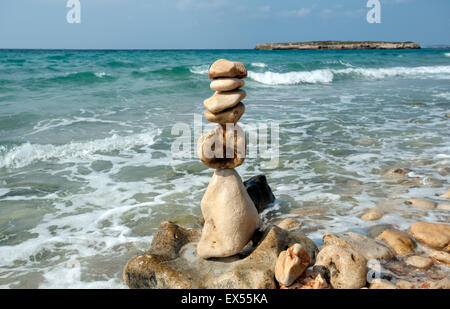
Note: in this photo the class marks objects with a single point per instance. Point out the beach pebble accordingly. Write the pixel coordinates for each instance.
(309, 280)
(291, 264)
(288, 223)
(212, 149)
(421, 204)
(226, 68)
(397, 172)
(444, 206)
(444, 171)
(347, 268)
(382, 284)
(436, 236)
(221, 101)
(419, 261)
(398, 240)
(446, 195)
(226, 84)
(376, 230)
(364, 245)
(231, 115)
(440, 256)
(372, 215)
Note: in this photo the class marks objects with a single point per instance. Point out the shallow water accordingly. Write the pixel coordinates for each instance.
(87, 174)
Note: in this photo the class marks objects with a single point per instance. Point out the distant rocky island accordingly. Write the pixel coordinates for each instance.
(333, 45)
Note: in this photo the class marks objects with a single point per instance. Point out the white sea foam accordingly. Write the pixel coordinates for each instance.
(292, 78)
(259, 64)
(100, 74)
(28, 153)
(328, 75)
(200, 69)
(447, 54)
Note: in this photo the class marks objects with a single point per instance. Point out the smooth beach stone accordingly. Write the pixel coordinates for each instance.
(398, 240)
(397, 172)
(421, 204)
(376, 230)
(259, 191)
(226, 84)
(419, 261)
(444, 171)
(446, 195)
(433, 235)
(309, 280)
(291, 264)
(347, 268)
(382, 284)
(372, 215)
(221, 101)
(443, 206)
(440, 256)
(365, 246)
(231, 115)
(288, 223)
(212, 149)
(230, 216)
(226, 68)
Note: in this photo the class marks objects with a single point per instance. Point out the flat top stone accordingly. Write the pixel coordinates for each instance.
(226, 68)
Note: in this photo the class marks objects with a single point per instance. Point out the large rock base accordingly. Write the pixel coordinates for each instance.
(172, 261)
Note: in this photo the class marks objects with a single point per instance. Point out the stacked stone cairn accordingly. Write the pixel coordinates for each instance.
(230, 215)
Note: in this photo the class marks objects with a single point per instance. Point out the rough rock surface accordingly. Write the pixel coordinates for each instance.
(347, 268)
(288, 223)
(309, 280)
(367, 247)
(441, 257)
(398, 240)
(230, 216)
(382, 284)
(212, 149)
(226, 68)
(259, 191)
(433, 235)
(291, 263)
(172, 261)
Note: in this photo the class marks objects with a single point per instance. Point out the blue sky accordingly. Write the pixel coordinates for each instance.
(195, 24)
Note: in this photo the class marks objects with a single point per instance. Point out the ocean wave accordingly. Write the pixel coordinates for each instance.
(292, 78)
(328, 75)
(200, 69)
(259, 64)
(447, 54)
(26, 154)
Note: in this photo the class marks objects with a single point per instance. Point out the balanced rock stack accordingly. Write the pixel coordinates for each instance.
(230, 215)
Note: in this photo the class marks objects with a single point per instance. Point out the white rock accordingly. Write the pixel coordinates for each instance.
(230, 216)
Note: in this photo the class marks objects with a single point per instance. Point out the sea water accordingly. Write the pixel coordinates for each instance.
(87, 173)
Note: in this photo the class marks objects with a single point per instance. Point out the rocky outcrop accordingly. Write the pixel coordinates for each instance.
(338, 45)
(172, 261)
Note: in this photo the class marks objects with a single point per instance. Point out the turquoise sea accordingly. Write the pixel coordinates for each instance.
(87, 173)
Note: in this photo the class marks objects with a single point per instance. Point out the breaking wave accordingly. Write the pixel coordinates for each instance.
(328, 75)
(27, 153)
